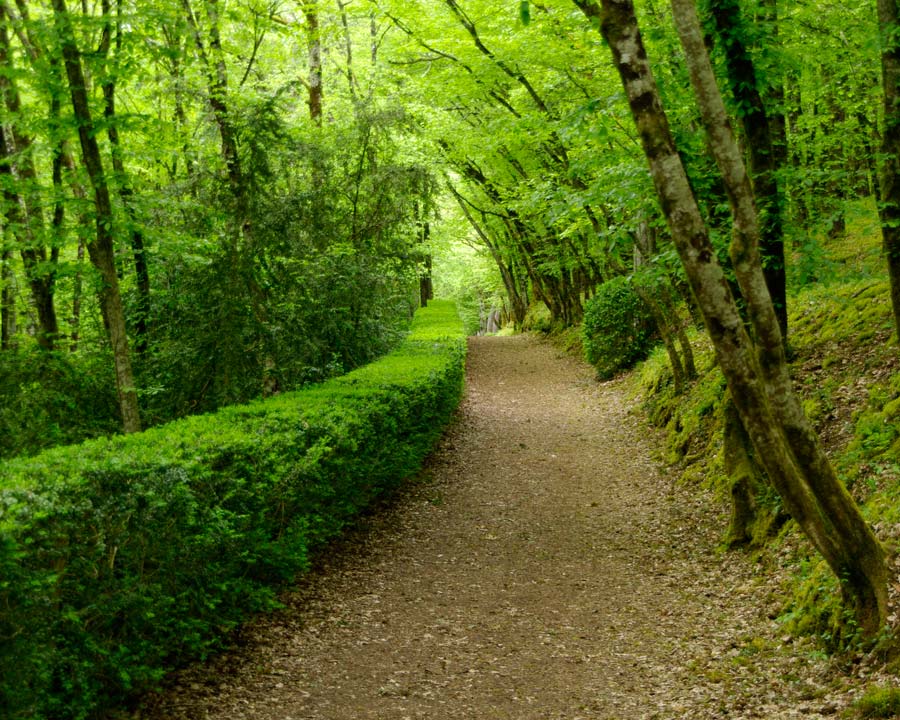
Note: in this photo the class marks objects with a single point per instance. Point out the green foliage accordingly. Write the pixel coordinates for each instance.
(327, 284)
(54, 398)
(121, 558)
(617, 329)
(816, 610)
(692, 420)
(879, 702)
(467, 276)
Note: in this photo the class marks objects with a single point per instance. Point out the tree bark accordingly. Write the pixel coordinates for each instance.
(756, 371)
(348, 51)
(314, 53)
(100, 250)
(125, 192)
(743, 474)
(25, 213)
(889, 207)
(761, 150)
(7, 301)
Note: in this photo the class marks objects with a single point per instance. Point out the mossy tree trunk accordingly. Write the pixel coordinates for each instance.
(756, 369)
(761, 150)
(141, 317)
(743, 473)
(889, 207)
(101, 250)
(7, 301)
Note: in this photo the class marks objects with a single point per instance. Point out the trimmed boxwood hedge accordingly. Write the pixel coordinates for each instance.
(121, 558)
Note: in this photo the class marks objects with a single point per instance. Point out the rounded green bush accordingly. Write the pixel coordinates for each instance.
(618, 329)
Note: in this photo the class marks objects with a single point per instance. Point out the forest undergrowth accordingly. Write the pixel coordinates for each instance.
(845, 363)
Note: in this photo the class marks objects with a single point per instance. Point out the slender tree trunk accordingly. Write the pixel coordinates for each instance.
(7, 301)
(77, 283)
(314, 54)
(665, 331)
(687, 353)
(665, 316)
(889, 207)
(101, 250)
(764, 167)
(39, 268)
(217, 92)
(426, 291)
(125, 192)
(756, 371)
(348, 49)
(67, 163)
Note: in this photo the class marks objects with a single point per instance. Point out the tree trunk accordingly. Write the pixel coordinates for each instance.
(314, 51)
(25, 211)
(661, 307)
(126, 194)
(64, 157)
(101, 250)
(77, 283)
(348, 50)
(756, 371)
(761, 149)
(784, 439)
(7, 301)
(742, 472)
(889, 207)
(217, 88)
(665, 332)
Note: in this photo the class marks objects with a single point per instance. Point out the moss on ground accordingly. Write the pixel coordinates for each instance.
(846, 366)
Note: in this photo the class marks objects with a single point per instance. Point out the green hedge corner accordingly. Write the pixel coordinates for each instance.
(124, 557)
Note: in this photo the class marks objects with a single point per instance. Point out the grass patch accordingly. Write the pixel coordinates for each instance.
(877, 702)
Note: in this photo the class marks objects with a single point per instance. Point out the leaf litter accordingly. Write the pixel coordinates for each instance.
(544, 565)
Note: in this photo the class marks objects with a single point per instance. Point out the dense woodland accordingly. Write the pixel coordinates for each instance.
(208, 201)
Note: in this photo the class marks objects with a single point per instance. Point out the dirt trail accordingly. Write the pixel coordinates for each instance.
(543, 568)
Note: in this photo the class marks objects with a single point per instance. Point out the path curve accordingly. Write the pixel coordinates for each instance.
(544, 567)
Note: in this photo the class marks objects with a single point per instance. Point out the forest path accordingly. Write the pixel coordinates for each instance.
(544, 567)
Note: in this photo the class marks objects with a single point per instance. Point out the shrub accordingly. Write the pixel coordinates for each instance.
(617, 329)
(879, 702)
(123, 557)
(54, 398)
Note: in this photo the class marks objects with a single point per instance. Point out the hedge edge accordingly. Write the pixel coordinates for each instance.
(122, 558)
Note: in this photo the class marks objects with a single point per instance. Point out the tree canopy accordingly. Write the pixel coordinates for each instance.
(205, 201)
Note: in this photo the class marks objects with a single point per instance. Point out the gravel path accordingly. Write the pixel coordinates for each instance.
(543, 567)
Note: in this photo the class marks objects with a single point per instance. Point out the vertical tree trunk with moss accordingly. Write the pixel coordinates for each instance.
(101, 250)
(126, 194)
(743, 474)
(7, 301)
(889, 207)
(761, 150)
(314, 53)
(756, 371)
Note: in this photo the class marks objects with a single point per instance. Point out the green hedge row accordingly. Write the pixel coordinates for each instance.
(121, 558)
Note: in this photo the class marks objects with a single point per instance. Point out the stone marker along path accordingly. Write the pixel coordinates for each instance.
(544, 567)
